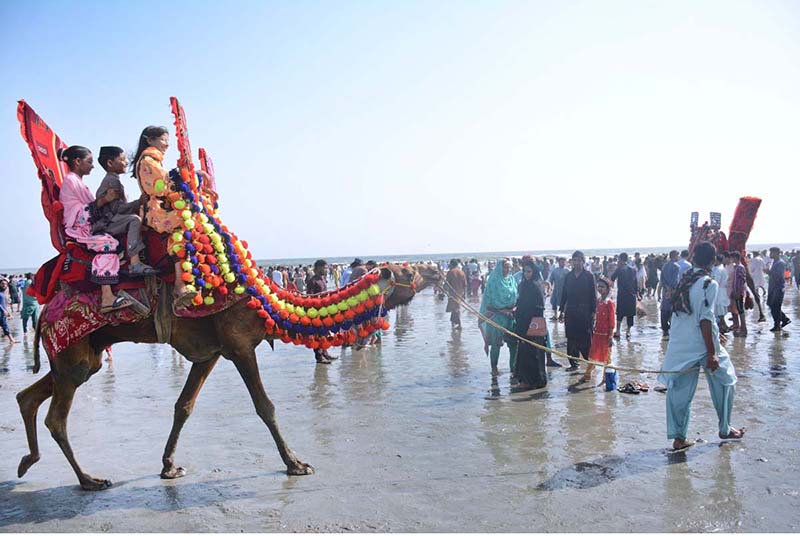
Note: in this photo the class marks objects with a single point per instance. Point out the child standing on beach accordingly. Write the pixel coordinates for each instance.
(604, 325)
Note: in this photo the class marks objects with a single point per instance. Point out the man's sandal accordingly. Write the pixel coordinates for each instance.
(684, 448)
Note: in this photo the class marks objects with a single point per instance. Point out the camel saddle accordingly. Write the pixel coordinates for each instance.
(72, 301)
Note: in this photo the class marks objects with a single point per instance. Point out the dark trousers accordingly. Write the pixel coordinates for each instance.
(775, 302)
(666, 318)
(577, 348)
(628, 319)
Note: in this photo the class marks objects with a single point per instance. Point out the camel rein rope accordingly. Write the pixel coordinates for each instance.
(452, 294)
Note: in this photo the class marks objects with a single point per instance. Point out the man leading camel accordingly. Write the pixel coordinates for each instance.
(694, 343)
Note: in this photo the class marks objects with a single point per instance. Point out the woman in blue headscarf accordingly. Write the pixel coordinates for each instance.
(498, 305)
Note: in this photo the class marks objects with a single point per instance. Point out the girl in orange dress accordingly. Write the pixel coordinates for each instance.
(157, 189)
(604, 325)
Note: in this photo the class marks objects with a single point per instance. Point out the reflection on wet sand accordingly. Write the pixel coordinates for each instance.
(404, 433)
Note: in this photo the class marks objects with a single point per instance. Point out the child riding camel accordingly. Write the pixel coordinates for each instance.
(157, 186)
(118, 216)
(78, 203)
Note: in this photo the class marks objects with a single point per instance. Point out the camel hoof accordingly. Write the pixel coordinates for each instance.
(25, 464)
(301, 469)
(95, 484)
(173, 472)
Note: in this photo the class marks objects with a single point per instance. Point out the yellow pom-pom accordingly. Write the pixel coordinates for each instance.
(229, 277)
(363, 296)
(352, 301)
(203, 218)
(176, 248)
(189, 224)
(374, 290)
(313, 313)
(177, 237)
(299, 311)
(239, 289)
(180, 204)
(187, 266)
(186, 214)
(190, 288)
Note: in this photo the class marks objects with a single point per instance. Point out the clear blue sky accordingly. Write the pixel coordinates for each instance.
(408, 127)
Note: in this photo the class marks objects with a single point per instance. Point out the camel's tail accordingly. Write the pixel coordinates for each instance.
(37, 335)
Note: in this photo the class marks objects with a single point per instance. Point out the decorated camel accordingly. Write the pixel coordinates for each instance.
(233, 316)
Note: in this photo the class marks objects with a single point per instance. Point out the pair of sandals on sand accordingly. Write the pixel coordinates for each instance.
(634, 388)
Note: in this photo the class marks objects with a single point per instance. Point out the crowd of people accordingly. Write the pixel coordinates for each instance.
(14, 298)
(580, 297)
(695, 300)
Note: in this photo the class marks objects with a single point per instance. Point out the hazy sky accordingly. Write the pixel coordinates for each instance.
(341, 128)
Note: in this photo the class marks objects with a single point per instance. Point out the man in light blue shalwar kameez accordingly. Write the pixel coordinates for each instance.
(694, 343)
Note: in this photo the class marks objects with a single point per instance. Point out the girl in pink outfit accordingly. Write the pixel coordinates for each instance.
(78, 202)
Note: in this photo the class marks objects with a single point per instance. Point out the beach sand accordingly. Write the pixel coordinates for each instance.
(410, 437)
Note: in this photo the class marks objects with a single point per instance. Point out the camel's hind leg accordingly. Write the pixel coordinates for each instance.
(29, 401)
(183, 408)
(74, 366)
(248, 368)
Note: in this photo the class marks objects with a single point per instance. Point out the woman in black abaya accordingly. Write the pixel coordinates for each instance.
(531, 371)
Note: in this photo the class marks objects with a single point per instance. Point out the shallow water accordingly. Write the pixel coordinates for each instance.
(410, 437)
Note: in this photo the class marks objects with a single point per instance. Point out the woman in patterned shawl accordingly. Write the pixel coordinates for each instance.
(498, 304)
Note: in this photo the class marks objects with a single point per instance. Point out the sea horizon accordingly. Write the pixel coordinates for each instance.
(480, 255)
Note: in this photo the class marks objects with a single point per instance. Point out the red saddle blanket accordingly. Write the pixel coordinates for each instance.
(69, 316)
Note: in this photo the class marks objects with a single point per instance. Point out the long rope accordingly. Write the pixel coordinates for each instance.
(452, 294)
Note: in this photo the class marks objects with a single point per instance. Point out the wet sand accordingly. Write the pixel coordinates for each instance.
(410, 438)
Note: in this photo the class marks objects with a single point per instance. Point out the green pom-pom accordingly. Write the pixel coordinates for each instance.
(208, 300)
(186, 214)
(176, 248)
(160, 186)
(239, 289)
(313, 313)
(374, 290)
(180, 204)
(177, 237)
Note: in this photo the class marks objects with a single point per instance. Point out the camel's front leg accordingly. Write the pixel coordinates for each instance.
(248, 368)
(183, 408)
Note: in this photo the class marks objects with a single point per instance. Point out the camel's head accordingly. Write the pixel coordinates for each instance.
(405, 280)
